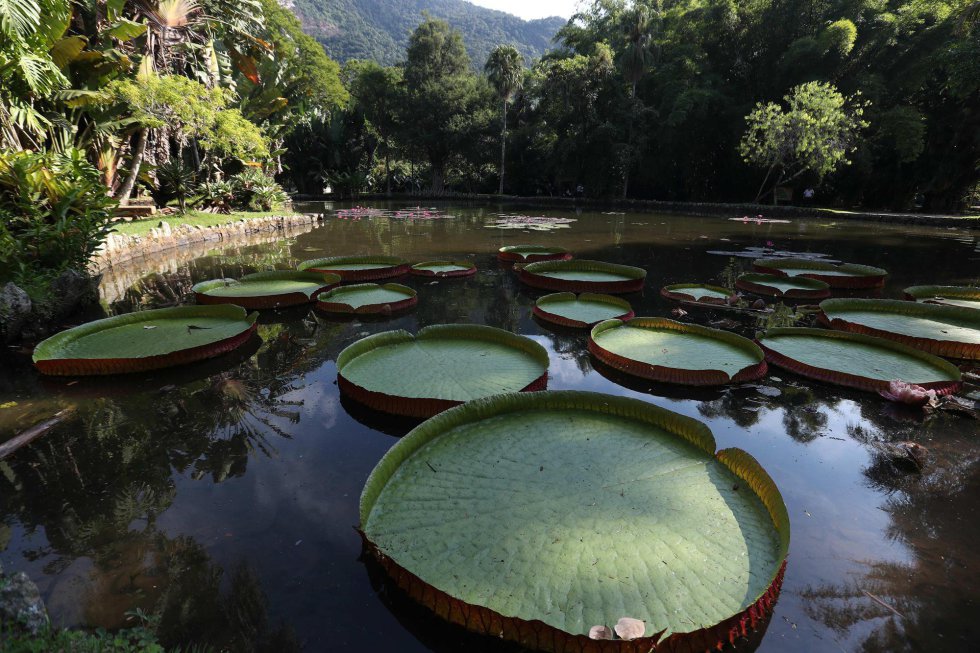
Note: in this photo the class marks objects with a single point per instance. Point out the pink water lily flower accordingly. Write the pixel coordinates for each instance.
(908, 393)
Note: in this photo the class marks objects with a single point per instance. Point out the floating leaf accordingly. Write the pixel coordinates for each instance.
(532, 253)
(695, 292)
(580, 275)
(965, 296)
(367, 298)
(358, 268)
(582, 311)
(444, 269)
(274, 289)
(842, 275)
(774, 285)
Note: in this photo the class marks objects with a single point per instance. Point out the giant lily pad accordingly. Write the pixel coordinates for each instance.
(951, 331)
(444, 269)
(696, 292)
(585, 310)
(537, 517)
(358, 268)
(856, 361)
(673, 352)
(441, 367)
(581, 275)
(842, 275)
(965, 296)
(532, 253)
(367, 298)
(146, 340)
(774, 285)
(276, 289)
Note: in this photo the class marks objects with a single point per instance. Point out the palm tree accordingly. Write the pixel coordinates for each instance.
(637, 28)
(505, 70)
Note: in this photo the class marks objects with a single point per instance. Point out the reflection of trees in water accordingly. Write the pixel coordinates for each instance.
(570, 344)
(932, 595)
(804, 415)
(97, 486)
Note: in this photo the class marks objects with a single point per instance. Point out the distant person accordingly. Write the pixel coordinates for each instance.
(808, 196)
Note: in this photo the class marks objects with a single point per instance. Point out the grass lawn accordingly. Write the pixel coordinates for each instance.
(193, 218)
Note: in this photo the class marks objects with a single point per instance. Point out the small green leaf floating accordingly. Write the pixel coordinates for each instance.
(581, 275)
(145, 340)
(696, 292)
(532, 253)
(444, 365)
(774, 285)
(836, 275)
(274, 289)
(951, 331)
(856, 361)
(673, 352)
(444, 269)
(367, 298)
(581, 311)
(964, 296)
(358, 268)
(536, 517)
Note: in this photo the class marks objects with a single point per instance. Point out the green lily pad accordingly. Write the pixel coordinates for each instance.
(358, 268)
(367, 298)
(696, 292)
(964, 296)
(444, 365)
(856, 360)
(585, 310)
(443, 269)
(535, 517)
(532, 253)
(836, 275)
(274, 289)
(146, 340)
(675, 352)
(951, 331)
(774, 285)
(580, 275)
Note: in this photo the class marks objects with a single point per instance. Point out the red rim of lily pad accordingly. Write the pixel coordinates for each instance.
(48, 362)
(423, 269)
(856, 276)
(848, 380)
(332, 301)
(541, 308)
(532, 253)
(536, 634)
(946, 348)
(386, 267)
(630, 279)
(264, 302)
(678, 293)
(424, 407)
(945, 295)
(760, 283)
(664, 374)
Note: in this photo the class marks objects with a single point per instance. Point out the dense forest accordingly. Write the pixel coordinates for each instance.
(378, 30)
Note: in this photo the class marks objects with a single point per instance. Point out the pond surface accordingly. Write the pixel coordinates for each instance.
(224, 496)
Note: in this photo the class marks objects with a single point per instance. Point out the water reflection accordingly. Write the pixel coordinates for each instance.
(195, 493)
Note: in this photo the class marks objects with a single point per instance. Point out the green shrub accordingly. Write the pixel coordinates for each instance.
(256, 191)
(54, 213)
(216, 196)
(176, 181)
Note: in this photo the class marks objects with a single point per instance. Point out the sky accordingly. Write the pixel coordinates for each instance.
(528, 9)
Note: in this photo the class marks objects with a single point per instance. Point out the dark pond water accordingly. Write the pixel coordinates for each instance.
(224, 496)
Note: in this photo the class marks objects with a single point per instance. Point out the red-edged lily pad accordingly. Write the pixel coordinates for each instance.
(963, 296)
(700, 293)
(836, 275)
(775, 285)
(358, 268)
(532, 253)
(263, 290)
(581, 311)
(367, 299)
(444, 269)
(580, 275)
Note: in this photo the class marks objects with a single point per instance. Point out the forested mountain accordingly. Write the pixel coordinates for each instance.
(379, 29)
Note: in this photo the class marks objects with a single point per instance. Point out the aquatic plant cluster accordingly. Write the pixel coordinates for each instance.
(411, 214)
(532, 437)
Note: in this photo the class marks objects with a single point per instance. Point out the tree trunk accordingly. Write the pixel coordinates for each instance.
(503, 150)
(629, 144)
(438, 178)
(387, 169)
(134, 167)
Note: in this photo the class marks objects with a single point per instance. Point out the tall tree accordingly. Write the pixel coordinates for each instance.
(505, 70)
(637, 27)
(378, 92)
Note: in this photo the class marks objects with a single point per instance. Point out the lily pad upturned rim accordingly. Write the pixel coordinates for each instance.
(266, 301)
(676, 292)
(947, 348)
(392, 267)
(419, 269)
(756, 282)
(828, 375)
(541, 308)
(706, 377)
(859, 276)
(939, 293)
(537, 634)
(429, 406)
(632, 277)
(331, 301)
(47, 362)
(512, 253)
